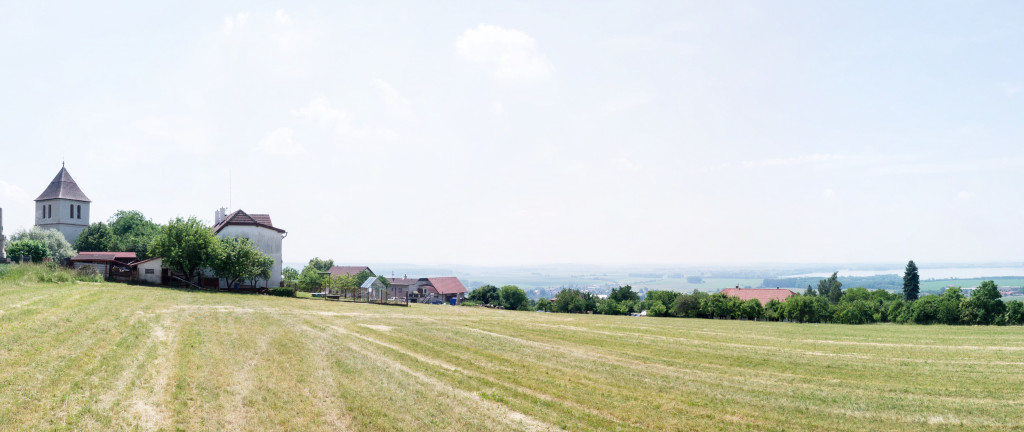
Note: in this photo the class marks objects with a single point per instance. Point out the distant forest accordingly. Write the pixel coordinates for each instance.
(889, 282)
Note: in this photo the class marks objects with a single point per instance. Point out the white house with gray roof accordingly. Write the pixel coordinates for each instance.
(63, 207)
(260, 230)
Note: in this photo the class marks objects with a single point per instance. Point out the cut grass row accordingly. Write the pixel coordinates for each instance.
(115, 357)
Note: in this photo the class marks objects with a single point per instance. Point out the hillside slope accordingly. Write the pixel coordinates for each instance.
(97, 356)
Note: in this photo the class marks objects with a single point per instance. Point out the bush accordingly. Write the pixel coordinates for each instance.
(34, 248)
(57, 248)
(282, 292)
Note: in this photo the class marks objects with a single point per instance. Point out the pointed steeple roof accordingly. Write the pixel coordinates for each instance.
(63, 187)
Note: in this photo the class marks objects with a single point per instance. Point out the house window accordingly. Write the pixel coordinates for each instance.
(72, 211)
(44, 212)
(49, 210)
(79, 212)
(150, 271)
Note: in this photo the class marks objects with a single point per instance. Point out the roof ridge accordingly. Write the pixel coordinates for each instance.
(63, 186)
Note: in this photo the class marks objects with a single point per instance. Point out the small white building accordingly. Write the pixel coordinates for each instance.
(260, 230)
(151, 271)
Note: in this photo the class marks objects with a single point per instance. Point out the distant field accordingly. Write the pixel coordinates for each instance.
(116, 357)
(533, 281)
(933, 285)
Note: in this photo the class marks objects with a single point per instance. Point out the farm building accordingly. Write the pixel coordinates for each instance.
(260, 230)
(111, 265)
(438, 290)
(151, 271)
(764, 295)
(348, 270)
(63, 207)
(400, 288)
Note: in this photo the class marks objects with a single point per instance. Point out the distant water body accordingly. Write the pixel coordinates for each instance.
(932, 273)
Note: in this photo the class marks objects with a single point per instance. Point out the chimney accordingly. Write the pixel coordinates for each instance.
(219, 216)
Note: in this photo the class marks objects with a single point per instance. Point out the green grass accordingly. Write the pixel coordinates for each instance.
(97, 356)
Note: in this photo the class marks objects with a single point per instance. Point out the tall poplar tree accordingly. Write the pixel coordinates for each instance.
(911, 282)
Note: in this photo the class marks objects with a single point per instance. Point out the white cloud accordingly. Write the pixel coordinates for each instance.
(281, 142)
(964, 196)
(1011, 89)
(796, 160)
(774, 162)
(282, 17)
(513, 53)
(232, 24)
(623, 164)
(828, 194)
(181, 132)
(11, 192)
(626, 102)
(339, 121)
(396, 103)
(320, 111)
(499, 108)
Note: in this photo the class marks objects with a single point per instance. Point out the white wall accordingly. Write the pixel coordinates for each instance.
(267, 241)
(156, 266)
(62, 219)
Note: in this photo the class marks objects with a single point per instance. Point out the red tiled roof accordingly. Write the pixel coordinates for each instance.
(764, 295)
(348, 270)
(445, 285)
(242, 218)
(104, 256)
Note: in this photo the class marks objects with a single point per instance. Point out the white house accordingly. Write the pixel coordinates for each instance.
(63, 206)
(260, 230)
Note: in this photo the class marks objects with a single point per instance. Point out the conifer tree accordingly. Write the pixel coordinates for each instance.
(911, 282)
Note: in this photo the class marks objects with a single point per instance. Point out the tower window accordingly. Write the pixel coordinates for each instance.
(72, 216)
(79, 212)
(49, 210)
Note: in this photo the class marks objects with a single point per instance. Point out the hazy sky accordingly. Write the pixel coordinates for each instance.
(534, 132)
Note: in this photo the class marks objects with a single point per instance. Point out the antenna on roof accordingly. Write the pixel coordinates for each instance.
(229, 189)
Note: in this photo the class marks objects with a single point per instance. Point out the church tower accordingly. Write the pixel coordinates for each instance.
(63, 206)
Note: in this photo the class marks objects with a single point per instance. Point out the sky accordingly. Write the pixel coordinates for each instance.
(524, 133)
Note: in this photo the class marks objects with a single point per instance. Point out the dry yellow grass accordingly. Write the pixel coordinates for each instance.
(116, 357)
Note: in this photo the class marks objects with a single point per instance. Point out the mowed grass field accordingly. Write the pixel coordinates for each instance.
(116, 357)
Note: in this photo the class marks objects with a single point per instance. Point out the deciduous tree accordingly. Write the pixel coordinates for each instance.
(58, 248)
(513, 298)
(831, 288)
(97, 237)
(186, 245)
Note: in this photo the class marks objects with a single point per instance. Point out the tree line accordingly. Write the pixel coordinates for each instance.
(828, 302)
